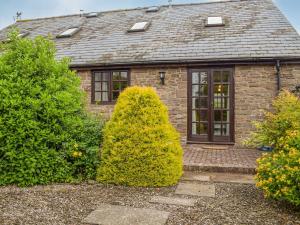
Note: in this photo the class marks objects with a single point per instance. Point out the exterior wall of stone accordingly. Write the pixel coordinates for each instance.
(255, 88)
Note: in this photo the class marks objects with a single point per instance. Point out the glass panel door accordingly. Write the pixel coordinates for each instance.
(200, 104)
(210, 107)
(221, 110)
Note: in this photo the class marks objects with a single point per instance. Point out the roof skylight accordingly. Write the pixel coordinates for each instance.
(140, 26)
(69, 32)
(153, 9)
(215, 21)
(23, 34)
(91, 14)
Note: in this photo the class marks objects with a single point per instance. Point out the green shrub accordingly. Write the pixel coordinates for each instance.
(42, 117)
(140, 146)
(278, 173)
(281, 126)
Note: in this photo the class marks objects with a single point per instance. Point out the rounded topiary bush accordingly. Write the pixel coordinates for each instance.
(141, 147)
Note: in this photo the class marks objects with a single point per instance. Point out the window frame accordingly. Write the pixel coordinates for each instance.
(110, 84)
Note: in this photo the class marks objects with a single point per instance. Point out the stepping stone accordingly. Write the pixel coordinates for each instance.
(203, 190)
(124, 215)
(173, 201)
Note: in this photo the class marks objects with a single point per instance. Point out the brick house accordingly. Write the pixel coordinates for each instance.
(215, 65)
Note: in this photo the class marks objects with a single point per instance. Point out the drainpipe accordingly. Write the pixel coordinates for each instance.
(278, 73)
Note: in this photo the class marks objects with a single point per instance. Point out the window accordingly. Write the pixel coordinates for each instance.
(69, 32)
(214, 21)
(23, 34)
(141, 26)
(152, 9)
(107, 85)
(91, 14)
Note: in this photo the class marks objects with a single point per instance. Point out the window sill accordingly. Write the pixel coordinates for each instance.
(103, 103)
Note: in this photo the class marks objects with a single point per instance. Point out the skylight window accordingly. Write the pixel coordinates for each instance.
(215, 21)
(23, 34)
(91, 14)
(69, 32)
(153, 9)
(141, 26)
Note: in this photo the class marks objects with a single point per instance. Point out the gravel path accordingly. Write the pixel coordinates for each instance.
(69, 204)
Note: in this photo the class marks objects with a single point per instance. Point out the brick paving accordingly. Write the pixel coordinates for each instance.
(220, 159)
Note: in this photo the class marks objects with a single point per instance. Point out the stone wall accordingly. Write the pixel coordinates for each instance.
(255, 88)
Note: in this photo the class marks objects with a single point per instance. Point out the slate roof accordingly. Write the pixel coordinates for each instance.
(254, 29)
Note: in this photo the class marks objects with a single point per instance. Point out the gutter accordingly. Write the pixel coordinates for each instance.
(278, 73)
(189, 62)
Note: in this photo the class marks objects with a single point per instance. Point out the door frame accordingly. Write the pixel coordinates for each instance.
(197, 140)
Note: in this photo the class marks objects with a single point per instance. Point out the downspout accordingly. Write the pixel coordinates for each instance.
(278, 73)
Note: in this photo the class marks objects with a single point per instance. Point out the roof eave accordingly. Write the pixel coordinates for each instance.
(191, 62)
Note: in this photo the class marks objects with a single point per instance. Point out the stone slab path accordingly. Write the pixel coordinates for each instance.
(173, 201)
(196, 189)
(193, 184)
(124, 215)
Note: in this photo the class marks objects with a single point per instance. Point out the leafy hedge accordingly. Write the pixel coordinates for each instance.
(45, 134)
(141, 147)
(278, 173)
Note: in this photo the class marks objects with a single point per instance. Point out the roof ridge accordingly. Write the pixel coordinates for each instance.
(131, 9)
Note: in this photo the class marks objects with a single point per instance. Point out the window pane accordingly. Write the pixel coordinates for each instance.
(217, 76)
(116, 75)
(97, 76)
(217, 129)
(115, 95)
(105, 76)
(204, 90)
(194, 128)
(104, 86)
(225, 76)
(217, 103)
(195, 90)
(225, 90)
(97, 86)
(195, 78)
(123, 85)
(226, 116)
(199, 103)
(203, 78)
(97, 96)
(225, 130)
(218, 115)
(217, 89)
(124, 75)
(195, 116)
(105, 96)
(199, 128)
(203, 128)
(116, 86)
(203, 115)
(226, 103)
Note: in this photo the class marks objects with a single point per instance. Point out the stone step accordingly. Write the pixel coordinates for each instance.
(219, 168)
(218, 177)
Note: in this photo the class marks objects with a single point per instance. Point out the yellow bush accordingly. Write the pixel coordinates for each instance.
(141, 147)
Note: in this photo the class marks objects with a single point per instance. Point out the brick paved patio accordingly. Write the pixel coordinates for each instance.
(220, 159)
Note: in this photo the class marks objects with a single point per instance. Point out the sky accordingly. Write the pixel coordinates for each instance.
(45, 8)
